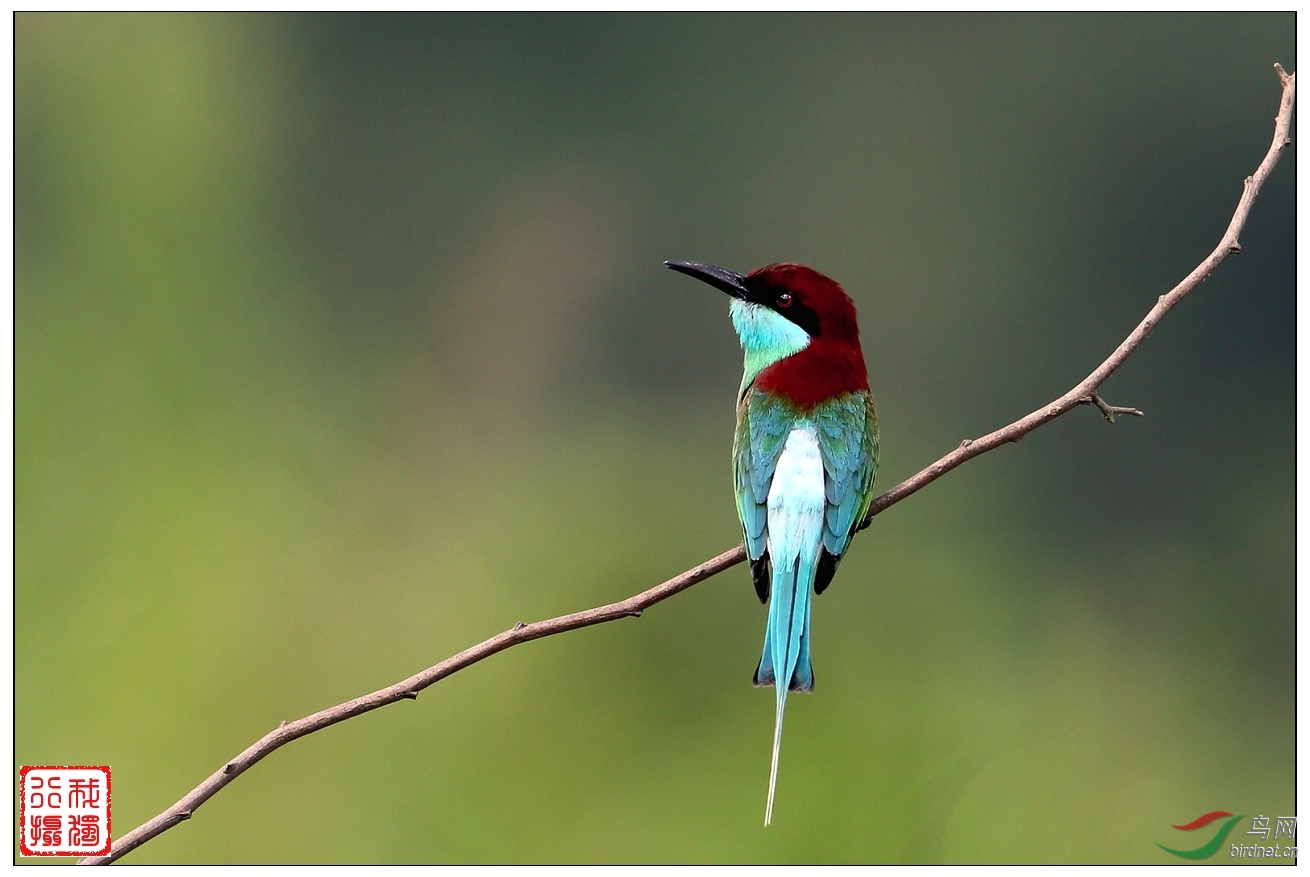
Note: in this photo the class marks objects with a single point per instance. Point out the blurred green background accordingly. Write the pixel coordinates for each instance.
(343, 342)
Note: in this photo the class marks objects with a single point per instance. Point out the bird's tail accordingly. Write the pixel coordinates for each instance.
(786, 649)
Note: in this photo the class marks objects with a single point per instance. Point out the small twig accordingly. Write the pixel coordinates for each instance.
(1082, 394)
(1108, 410)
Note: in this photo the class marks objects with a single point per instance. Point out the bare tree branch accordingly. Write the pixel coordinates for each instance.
(1085, 393)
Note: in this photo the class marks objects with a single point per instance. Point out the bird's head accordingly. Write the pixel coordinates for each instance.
(781, 310)
(783, 305)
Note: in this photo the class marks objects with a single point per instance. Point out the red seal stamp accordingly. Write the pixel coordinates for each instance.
(63, 811)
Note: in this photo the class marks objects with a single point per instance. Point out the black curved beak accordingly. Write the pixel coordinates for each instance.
(720, 278)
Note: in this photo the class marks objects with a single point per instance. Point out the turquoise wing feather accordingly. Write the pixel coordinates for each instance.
(848, 441)
(763, 422)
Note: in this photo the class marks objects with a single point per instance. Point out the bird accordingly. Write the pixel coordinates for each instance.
(804, 454)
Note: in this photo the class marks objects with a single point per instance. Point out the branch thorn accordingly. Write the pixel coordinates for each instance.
(410, 695)
(520, 625)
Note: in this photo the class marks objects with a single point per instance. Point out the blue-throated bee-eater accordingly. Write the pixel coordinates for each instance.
(804, 454)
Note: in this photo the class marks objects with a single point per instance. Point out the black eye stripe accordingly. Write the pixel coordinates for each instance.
(794, 309)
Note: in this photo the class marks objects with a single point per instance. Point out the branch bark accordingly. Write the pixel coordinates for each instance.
(1085, 393)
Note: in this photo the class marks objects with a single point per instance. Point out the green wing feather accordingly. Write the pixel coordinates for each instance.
(763, 423)
(848, 441)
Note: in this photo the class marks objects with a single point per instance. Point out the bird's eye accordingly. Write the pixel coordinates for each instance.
(784, 300)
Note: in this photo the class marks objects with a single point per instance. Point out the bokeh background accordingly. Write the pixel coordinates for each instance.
(343, 342)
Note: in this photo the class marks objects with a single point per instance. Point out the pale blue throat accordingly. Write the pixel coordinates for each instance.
(766, 337)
